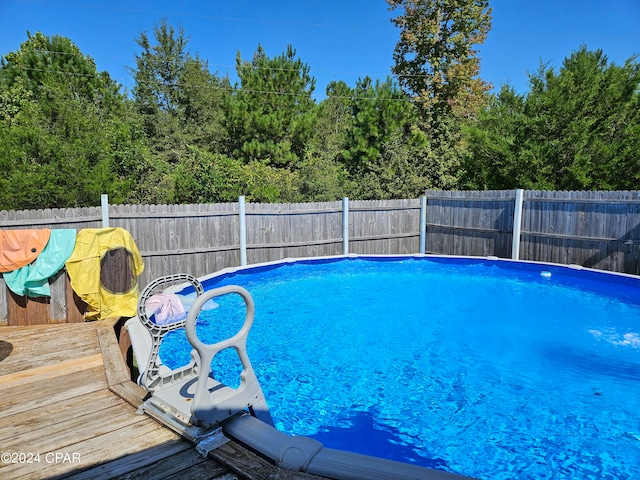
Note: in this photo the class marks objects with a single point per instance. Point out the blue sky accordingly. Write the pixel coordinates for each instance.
(339, 40)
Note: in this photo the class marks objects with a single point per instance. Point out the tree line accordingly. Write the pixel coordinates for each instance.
(184, 134)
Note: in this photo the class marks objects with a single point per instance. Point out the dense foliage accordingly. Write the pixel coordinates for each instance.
(576, 129)
(66, 133)
(186, 134)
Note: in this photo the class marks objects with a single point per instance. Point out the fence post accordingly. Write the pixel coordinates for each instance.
(243, 231)
(345, 226)
(423, 225)
(517, 225)
(4, 303)
(104, 203)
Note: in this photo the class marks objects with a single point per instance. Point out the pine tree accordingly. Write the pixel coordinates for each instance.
(271, 116)
(577, 128)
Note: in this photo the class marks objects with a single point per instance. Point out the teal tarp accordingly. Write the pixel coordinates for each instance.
(32, 280)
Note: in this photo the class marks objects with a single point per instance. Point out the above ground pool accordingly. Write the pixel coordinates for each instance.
(491, 369)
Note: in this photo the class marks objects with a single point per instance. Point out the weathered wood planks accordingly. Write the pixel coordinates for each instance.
(594, 229)
(66, 397)
(55, 404)
(37, 346)
(64, 306)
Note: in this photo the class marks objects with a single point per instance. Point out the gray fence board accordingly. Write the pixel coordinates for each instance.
(85, 217)
(384, 226)
(196, 238)
(470, 223)
(594, 229)
(276, 231)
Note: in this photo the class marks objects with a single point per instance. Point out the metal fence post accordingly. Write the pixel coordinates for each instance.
(345, 226)
(104, 204)
(243, 231)
(423, 225)
(517, 225)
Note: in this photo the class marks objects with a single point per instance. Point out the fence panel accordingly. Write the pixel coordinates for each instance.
(470, 223)
(196, 239)
(277, 231)
(78, 218)
(384, 226)
(595, 229)
(61, 306)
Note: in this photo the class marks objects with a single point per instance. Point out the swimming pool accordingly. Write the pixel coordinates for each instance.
(492, 369)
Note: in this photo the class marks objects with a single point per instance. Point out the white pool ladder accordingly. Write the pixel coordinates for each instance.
(155, 375)
(190, 399)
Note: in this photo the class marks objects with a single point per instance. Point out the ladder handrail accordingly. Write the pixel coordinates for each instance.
(212, 407)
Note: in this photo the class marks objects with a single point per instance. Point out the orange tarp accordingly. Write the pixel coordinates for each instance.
(21, 247)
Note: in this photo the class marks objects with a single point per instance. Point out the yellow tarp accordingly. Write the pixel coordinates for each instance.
(21, 247)
(94, 261)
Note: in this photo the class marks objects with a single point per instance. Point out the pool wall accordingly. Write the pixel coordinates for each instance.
(528, 265)
(304, 454)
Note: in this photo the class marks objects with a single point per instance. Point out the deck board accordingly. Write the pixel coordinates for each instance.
(13, 425)
(56, 400)
(36, 346)
(201, 471)
(48, 433)
(30, 395)
(66, 395)
(116, 446)
(157, 462)
(94, 451)
(47, 372)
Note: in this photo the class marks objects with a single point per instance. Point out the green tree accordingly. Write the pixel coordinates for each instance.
(435, 60)
(437, 66)
(577, 128)
(587, 119)
(202, 100)
(492, 160)
(203, 177)
(387, 153)
(377, 110)
(271, 116)
(159, 70)
(182, 107)
(157, 76)
(42, 60)
(323, 175)
(62, 138)
(335, 119)
(180, 101)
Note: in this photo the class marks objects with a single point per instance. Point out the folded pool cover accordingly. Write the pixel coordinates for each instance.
(104, 269)
(32, 279)
(21, 247)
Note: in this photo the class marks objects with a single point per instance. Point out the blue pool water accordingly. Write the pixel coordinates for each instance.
(495, 370)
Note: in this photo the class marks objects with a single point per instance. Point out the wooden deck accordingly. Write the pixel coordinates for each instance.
(68, 410)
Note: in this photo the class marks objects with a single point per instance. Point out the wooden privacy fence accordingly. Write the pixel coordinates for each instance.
(594, 229)
(599, 229)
